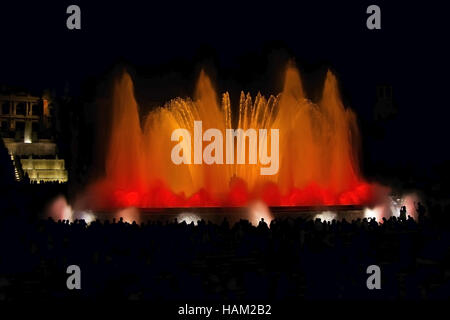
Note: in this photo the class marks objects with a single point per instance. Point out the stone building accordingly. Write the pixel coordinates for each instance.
(26, 130)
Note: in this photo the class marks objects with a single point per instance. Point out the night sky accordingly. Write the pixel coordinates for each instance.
(244, 42)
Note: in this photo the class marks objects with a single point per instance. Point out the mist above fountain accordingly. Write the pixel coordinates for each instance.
(318, 151)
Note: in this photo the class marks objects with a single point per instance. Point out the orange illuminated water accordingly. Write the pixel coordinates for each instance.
(318, 151)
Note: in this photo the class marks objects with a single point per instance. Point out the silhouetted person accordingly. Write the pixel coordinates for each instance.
(403, 213)
(225, 224)
(421, 211)
(262, 224)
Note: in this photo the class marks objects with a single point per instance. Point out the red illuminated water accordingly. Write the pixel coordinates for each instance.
(318, 151)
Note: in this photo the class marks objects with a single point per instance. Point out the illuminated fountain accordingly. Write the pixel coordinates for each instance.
(318, 151)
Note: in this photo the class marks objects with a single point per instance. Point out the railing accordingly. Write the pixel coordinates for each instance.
(18, 172)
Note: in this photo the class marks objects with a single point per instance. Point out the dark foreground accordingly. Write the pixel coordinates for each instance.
(290, 259)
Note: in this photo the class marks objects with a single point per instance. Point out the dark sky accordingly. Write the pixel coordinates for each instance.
(409, 52)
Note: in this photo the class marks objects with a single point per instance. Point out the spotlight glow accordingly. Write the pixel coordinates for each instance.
(258, 210)
(410, 201)
(129, 215)
(376, 213)
(326, 216)
(59, 209)
(392, 206)
(188, 217)
(87, 216)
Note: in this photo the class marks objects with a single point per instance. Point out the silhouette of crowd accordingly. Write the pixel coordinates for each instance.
(287, 259)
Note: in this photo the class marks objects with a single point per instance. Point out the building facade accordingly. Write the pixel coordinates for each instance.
(26, 130)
